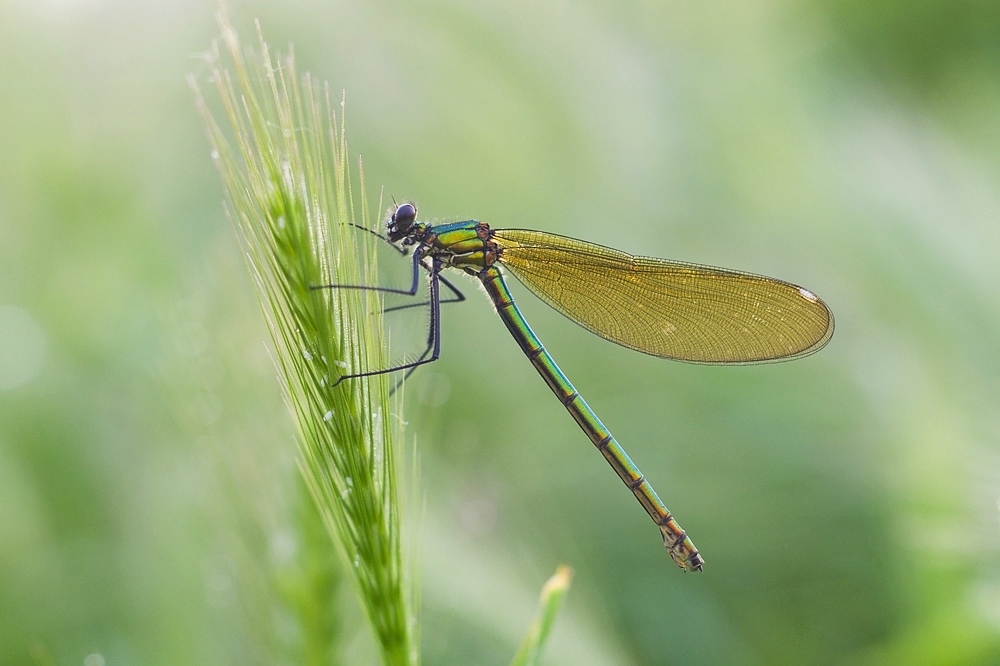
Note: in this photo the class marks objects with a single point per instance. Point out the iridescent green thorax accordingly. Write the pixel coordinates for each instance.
(468, 245)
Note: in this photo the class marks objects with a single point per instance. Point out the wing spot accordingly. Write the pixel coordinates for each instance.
(808, 295)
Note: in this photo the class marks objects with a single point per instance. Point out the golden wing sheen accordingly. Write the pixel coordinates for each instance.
(670, 309)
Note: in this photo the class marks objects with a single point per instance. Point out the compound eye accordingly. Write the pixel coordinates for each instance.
(405, 216)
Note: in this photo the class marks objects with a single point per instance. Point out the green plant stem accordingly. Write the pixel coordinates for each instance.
(290, 195)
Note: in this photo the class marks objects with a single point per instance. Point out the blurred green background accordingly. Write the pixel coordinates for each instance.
(846, 504)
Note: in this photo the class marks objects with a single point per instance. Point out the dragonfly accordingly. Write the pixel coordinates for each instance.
(670, 309)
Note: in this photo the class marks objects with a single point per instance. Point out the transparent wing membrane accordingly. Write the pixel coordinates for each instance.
(671, 309)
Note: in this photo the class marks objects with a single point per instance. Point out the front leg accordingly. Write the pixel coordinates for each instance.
(414, 281)
(432, 351)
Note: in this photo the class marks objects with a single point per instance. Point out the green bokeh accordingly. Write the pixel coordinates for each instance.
(846, 504)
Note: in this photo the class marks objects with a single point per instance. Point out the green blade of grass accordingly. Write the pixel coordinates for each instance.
(553, 591)
(284, 162)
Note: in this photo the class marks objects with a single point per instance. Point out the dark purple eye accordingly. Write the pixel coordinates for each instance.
(405, 216)
(402, 220)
